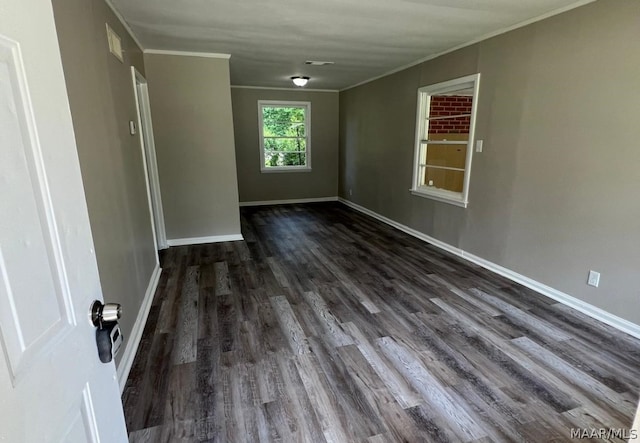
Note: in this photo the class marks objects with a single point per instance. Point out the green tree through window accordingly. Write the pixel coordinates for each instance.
(284, 135)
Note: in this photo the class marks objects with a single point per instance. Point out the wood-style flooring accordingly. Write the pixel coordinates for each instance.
(325, 325)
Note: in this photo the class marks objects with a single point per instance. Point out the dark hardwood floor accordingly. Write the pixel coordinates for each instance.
(326, 325)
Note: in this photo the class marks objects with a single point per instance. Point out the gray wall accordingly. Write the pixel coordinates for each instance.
(193, 128)
(555, 192)
(321, 181)
(100, 92)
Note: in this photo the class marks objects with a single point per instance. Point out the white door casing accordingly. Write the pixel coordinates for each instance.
(147, 142)
(635, 427)
(53, 387)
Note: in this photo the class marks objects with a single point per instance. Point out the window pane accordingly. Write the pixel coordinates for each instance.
(279, 159)
(444, 128)
(283, 121)
(285, 144)
(273, 128)
(449, 137)
(451, 156)
(450, 113)
(288, 113)
(444, 179)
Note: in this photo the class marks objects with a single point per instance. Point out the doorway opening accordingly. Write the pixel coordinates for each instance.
(143, 110)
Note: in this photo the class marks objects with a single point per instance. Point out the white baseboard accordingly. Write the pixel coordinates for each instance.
(136, 333)
(201, 240)
(424, 237)
(289, 202)
(566, 299)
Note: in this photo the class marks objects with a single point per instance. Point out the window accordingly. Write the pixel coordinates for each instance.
(444, 140)
(284, 136)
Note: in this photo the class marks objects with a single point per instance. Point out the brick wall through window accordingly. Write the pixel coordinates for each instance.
(443, 106)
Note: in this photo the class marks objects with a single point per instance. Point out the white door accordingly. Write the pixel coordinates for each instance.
(53, 386)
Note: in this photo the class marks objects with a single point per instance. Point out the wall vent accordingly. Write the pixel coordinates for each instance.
(318, 63)
(115, 43)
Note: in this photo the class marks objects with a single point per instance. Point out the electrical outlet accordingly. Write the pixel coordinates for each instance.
(594, 278)
(350, 192)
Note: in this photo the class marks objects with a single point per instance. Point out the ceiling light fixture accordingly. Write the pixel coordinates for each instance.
(300, 81)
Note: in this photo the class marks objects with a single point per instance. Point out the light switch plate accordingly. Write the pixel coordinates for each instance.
(594, 279)
(479, 145)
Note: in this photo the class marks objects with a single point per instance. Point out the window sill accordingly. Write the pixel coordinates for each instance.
(285, 169)
(453, 198)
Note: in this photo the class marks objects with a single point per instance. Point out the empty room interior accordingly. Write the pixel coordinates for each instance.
(348, 221)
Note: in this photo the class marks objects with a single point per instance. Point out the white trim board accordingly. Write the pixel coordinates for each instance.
(136, 333)
(477, 40)
(188, 53)
(289, 202)
(201, 240)
(566, 299)
(149, 161)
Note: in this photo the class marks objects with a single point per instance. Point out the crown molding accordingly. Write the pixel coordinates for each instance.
(473, 42)
(296, 89)
(124, 23)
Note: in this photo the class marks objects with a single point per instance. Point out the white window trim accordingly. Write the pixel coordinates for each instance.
(307, 106)
(454, 198)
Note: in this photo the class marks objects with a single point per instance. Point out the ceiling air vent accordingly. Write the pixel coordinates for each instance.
(318, 63)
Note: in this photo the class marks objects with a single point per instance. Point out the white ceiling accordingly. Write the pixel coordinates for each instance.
(269, 40)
